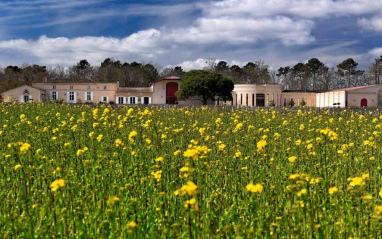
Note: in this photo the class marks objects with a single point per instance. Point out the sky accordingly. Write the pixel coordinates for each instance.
(187, 32)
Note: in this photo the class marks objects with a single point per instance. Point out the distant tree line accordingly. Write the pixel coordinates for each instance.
(310, 76)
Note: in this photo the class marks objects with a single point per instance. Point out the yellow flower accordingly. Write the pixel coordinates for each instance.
(24, 148)
(118, 143)
(380, 193)
(357, 181)
(57, 184)
(189, 188)
(185, 169)
(239, 126)
(292, 159)
(157, 175)
(221, 147)
(333, 190)
(378, 210)
(302, 192)
(258, 188)
(159, 159)
(192, 201)
(132, 135)
(176, 153)
(261, 144)
(367, 197)
(132, 224)
(112, 200)
(99, 138)
(191, 153)
(80, 152)
(17, 167)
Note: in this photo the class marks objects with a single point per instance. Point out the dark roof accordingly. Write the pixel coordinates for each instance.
(302, 91)
(135, 89)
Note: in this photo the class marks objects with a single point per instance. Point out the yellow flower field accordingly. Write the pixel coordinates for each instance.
(79, 171)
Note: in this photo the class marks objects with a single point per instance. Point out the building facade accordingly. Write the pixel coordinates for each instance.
(163, 92)
(361, 96)
(270, 95)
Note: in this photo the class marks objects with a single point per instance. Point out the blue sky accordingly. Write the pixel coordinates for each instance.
(180, 32)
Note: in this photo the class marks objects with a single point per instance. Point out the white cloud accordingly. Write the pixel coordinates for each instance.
(68, 51)
(241, 30)
(190, 65)
(376, 52)
(227, 29)
(374, 23)
(131, 10)
(299, 8)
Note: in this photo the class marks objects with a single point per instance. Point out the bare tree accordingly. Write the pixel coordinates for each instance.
(375, 71)
(210, 64)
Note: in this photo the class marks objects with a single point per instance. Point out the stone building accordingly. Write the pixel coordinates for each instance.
(163, 92)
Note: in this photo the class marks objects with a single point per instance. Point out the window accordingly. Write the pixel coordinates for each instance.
(104, 99)
(71, 87)
(54, 95)
(120, 100)
(104, 87)
(132, 100)
(88, 96)
(71, 96)
(54, 87)
(146, 100)
(26, 98)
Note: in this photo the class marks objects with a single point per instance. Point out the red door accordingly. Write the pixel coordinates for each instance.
(364, 103)
(171, 88)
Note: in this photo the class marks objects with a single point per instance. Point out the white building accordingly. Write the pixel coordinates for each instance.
(360, 96)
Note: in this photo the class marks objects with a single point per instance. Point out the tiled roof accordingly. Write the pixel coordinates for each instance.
(70, 80)
(351, 88)
(135, 89)
(168, 78)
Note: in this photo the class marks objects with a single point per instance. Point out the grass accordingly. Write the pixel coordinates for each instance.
(188, 173)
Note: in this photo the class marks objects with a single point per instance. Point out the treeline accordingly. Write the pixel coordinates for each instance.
(315, 75)
(311, 76)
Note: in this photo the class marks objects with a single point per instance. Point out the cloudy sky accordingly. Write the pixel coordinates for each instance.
(185, 32)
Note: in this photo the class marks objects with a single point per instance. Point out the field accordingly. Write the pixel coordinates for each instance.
(78, 171)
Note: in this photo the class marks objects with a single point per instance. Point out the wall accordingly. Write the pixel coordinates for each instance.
(139, 95)
(328, 99)
(309, 97)
(80, 89)
(15, 94)
(159, 91)
(195, 101)
(245, 94)
(354, 99)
